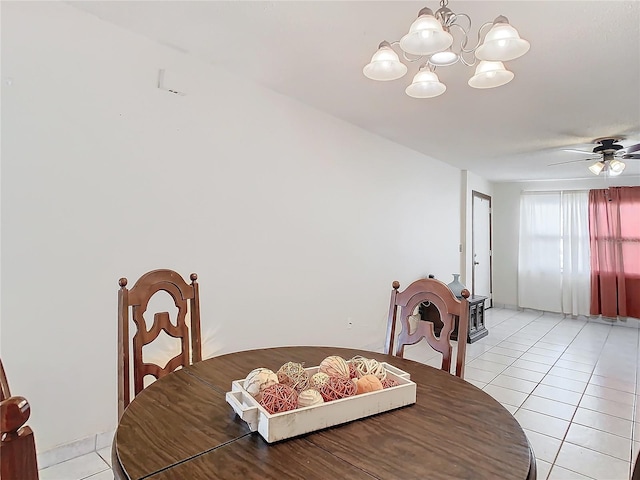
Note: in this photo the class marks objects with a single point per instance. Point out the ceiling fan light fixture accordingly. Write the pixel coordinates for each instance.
(616, 167)
(502, 43)
(596, 168)
(490, 75)
(426, 35)
(425, 85)
(385, 65)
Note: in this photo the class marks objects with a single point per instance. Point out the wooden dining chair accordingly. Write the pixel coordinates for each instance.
(18, 449)
(186, 328)
(429, 290)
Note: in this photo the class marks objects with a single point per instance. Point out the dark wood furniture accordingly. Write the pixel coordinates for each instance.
(477, 328)
(187, 330)
(18, 448)
(181, 427)
(635, 475)
(449, 308)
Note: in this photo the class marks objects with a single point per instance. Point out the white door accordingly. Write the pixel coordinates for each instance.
(481, 246)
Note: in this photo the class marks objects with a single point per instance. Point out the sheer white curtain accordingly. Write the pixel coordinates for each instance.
(553, 258)
(539, 282)
(576, 270)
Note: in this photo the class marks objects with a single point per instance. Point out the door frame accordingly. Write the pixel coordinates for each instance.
(475, 194)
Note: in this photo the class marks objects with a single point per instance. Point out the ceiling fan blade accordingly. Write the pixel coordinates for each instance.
(575, 150)
(573, 161)
(630, 149)
(631, 156)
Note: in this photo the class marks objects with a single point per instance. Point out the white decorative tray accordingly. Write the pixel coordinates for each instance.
(289, 424)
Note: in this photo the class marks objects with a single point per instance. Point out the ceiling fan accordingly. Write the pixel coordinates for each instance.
(609, 156)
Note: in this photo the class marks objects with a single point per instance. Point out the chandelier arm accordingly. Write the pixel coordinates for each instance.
(479, 39)
(455, 17)
(464, 61)
(411, 60)
(404, 54)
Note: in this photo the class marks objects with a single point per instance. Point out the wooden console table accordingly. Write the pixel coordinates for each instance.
(477, 329)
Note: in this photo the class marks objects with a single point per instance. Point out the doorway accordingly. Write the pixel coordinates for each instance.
(481, 271)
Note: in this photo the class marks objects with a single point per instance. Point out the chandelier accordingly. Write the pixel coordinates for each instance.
(430, 41)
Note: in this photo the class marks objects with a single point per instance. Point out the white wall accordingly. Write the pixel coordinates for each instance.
(506, 224)
(294, 220)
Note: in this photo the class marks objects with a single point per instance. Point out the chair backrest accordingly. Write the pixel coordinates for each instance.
(18, 447)
(451, 311)
(186, 300)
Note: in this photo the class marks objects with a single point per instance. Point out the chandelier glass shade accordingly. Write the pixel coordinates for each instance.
(490, 75)
(440, 39)
(425, 85)
(426, 35)
(385, 65)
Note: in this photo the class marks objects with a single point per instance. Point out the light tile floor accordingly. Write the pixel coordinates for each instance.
(571, 383)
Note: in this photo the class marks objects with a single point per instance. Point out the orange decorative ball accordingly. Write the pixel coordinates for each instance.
(369, 383)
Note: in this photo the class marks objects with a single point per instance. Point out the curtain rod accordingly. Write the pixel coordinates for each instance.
(555, 191)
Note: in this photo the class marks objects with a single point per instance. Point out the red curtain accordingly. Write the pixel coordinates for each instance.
(614, 228)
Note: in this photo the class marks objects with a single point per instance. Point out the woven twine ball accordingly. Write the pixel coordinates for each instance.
(389, 382)
(279, 398)
(369, 366)
(309, 398)
(368, 383)
(259, 379)
(294, 375)
(335, 366)
(337, 388)
(353, 371)
(317, 380)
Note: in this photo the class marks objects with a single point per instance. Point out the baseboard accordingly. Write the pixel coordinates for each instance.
(74, 449)
(505, 306)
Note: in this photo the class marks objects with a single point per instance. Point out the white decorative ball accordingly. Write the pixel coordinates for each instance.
(317, 380)
(369, 366)
(335, 366)
(259, 379)
(309, 397)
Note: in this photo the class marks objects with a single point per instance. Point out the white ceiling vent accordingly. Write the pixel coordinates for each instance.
(170, 82)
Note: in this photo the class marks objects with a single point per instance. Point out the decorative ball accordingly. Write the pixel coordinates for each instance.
(389, 382)
(337, 388)
(294, 375)
(259, 379)
(368, 383)
(317, 380)
(353, 371)
(369, 366)
(279, 398)
(335, 366)
(309, 397)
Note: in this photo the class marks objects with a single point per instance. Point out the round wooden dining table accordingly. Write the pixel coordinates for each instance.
(181, 427)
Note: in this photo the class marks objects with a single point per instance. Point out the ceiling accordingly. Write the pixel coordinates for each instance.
(579, 81)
